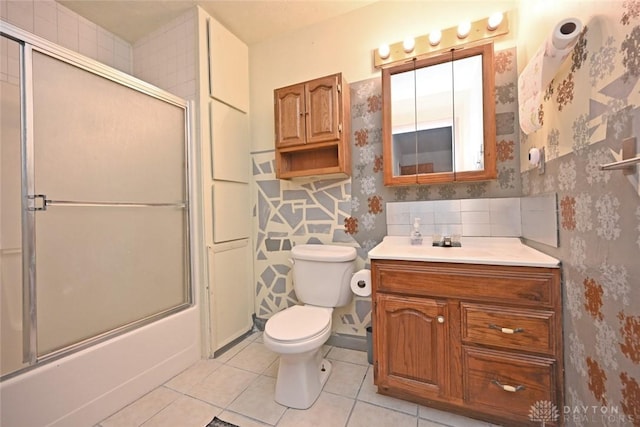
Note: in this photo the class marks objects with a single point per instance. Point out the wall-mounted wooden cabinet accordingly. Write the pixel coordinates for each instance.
(312, 128)
(484, 341)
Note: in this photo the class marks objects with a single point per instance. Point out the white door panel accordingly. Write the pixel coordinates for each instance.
(229, 143)
(230, 291)
(231, 211)
(228, 67)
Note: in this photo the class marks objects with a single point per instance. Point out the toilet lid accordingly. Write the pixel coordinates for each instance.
(298, 323)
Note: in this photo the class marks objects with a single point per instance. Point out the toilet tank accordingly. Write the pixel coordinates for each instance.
(322, 274)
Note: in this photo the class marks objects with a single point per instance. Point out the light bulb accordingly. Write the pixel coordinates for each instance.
(408, 44)
(463, 29)
(494, 21)
(384, 51)
(435, 37)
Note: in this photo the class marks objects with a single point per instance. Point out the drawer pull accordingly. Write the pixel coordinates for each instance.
(505, 330)
(508, 388)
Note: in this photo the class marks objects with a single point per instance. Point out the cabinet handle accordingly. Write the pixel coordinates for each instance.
(508, 388)
(440, 319)
(505, 330)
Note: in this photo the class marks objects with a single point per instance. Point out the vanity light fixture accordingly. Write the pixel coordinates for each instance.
(435, 37)
(463, 29)
(409, 44)
(384, 51)
(494, 21)
(438, 41)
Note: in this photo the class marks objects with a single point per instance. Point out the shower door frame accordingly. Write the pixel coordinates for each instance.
(28, 43)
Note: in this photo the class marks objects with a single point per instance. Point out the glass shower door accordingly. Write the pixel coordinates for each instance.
(10, 209)
(107, 204)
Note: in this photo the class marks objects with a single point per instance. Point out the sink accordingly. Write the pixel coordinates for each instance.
(474, 250)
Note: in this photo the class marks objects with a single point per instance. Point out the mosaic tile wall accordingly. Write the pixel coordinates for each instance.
(589, 110)
(351, 211)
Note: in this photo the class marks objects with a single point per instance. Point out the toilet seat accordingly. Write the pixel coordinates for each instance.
(298, 323)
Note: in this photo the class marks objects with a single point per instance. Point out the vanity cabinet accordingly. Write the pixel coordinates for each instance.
(415, 342)
(312, 122)
(481, 340)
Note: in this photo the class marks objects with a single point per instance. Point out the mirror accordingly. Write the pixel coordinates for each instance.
(439, 118)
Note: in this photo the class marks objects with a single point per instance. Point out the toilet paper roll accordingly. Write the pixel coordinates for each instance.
(361, 283)
(544, 65)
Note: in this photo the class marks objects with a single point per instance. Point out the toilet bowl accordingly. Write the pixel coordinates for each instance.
(297, 335)
(321, 275)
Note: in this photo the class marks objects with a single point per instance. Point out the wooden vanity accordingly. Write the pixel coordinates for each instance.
(477, 332)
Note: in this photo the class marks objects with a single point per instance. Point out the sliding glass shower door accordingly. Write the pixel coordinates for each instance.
(105, 218)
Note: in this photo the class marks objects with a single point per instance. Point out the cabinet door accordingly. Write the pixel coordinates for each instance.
(411, 345)
(322, 109)
(230, 143)
(228, 67)
(290, 115)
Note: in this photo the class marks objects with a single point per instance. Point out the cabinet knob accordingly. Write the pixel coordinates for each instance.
(440, 319)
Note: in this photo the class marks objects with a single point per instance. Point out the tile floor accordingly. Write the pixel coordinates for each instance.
(238, 387)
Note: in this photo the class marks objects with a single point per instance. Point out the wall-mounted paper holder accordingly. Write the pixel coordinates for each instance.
(537, 159)
(629, 158)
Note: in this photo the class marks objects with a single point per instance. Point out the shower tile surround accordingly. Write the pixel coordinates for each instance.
(354, 211)
(58, 24)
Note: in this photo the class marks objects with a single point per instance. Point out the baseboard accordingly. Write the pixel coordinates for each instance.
(351, 342)
(231, 344)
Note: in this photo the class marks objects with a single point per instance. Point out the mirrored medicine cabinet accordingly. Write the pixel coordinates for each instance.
(439, 118)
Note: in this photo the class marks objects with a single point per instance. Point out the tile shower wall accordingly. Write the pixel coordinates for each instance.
(352, 211)
(167, 57)
(54, 22)
(590, 108)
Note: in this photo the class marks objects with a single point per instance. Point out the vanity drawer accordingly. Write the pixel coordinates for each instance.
(511, 328)
(507, 383)
(529, 286)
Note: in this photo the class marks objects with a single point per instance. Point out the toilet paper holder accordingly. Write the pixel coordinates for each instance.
(361, 284)
(537, 158)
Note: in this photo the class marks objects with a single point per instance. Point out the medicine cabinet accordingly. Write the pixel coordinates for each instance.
(439, 118)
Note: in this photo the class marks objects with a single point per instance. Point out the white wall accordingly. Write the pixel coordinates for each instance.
(345, 44)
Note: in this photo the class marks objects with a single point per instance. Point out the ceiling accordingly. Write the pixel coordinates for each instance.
(250, 20)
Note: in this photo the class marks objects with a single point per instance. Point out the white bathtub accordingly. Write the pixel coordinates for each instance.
(86, 387)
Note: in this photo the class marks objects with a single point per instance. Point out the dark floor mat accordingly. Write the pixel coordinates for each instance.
(217, 422)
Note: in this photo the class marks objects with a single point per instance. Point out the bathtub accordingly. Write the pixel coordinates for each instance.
(84, 388)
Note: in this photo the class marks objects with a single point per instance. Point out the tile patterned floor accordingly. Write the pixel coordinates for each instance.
(238, 387)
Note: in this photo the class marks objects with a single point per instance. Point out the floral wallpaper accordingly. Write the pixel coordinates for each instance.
(352, 211)
(589, 109)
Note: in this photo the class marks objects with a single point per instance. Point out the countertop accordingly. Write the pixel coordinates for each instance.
(474, 250)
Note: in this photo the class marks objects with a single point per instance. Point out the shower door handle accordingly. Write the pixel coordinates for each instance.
(36, 202)
(39, 202)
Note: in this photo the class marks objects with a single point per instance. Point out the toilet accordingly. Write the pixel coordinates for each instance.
(321, 279)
